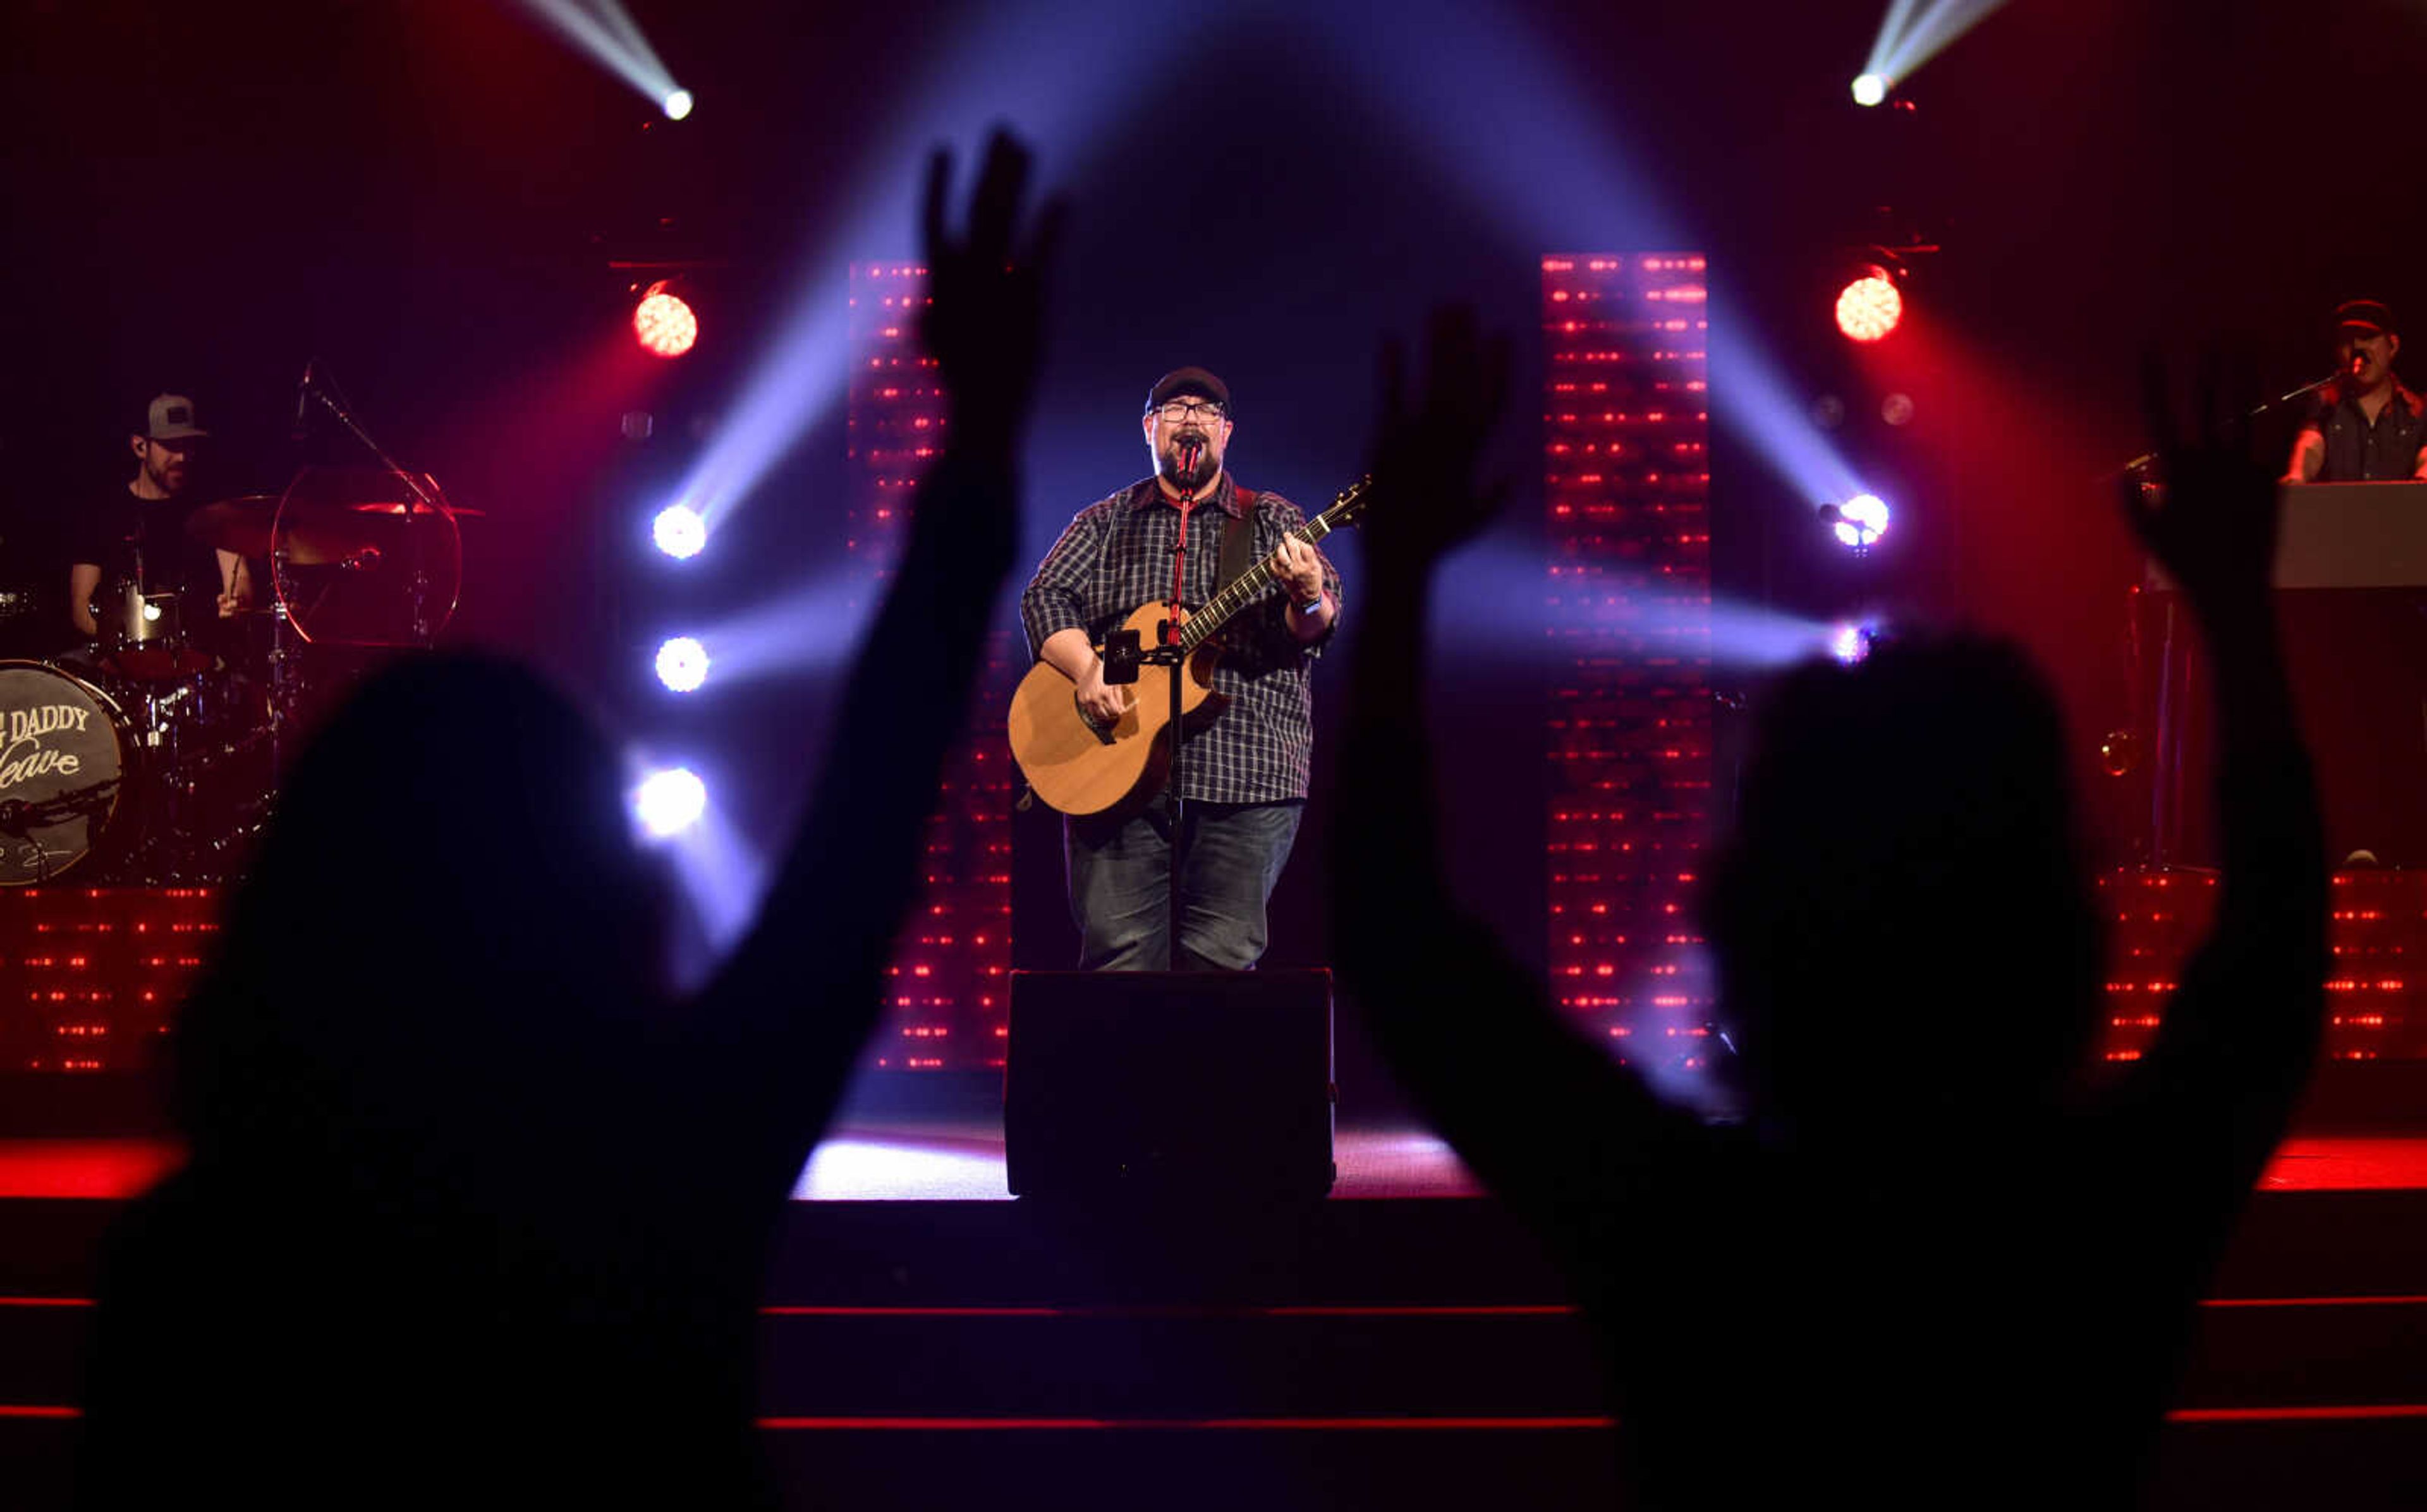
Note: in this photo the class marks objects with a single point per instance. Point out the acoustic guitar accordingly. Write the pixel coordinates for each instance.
(1081, 766)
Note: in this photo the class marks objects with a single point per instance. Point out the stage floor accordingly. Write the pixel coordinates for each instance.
(958, 1158)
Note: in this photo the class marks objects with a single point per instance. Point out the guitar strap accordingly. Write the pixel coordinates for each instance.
(1239, 540)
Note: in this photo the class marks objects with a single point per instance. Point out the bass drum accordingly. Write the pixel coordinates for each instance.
(64, 752)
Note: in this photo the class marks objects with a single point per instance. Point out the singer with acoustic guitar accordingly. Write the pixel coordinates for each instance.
(1192, 533)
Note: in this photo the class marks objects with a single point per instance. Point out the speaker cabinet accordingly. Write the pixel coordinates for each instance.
(1167, 1085)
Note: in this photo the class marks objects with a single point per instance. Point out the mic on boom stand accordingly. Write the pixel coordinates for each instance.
(304, 401)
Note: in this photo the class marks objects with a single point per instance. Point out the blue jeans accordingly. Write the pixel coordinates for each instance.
(1120, 873)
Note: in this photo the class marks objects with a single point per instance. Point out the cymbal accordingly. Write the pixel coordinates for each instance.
(239, 525)
(459, 511)
(313, 535)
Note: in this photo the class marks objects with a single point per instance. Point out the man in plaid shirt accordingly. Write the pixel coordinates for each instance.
(1244, 775)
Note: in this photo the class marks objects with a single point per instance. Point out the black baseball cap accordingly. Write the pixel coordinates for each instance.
(1195, 381)
(2371, 318)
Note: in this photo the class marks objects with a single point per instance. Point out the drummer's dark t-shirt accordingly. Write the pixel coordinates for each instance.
(118, 530)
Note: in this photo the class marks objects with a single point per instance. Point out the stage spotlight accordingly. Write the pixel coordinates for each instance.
(680, 531)
(664, 323)
(1868, 307)
(1850, 643)
(678, 104)
(669, 802)
(1912, 33)
(682, 664)
(605, 31)
(1870, 89)
(1858, 522)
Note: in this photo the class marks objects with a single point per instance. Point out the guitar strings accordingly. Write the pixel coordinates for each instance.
(1259, 577)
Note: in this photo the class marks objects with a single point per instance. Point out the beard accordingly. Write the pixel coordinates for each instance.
(1167, 460)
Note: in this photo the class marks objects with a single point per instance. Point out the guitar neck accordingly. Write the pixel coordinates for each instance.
(1248, 587)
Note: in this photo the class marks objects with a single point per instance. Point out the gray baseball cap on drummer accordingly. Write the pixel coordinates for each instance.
(171, 418)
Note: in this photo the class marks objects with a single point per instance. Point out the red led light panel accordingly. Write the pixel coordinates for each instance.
(946, 988)
(1626, 475)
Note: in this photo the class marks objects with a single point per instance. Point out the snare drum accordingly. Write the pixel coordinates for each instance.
(63, 754)
(147, 640)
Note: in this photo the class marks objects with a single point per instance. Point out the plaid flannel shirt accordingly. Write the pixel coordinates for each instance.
(1117, 555)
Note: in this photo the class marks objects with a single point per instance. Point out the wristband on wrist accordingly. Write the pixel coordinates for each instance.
(1312, 606)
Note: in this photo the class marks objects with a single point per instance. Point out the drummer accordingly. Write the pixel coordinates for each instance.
(139, 535)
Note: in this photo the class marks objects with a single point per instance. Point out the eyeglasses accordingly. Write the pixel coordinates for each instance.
(1180, 410)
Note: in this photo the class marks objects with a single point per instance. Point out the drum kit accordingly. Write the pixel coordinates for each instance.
(152, 756)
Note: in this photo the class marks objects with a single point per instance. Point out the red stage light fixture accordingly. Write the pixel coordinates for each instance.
(664, 323)
(1869, 306)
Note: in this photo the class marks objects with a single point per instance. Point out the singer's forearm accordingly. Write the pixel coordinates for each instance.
(1070, 652)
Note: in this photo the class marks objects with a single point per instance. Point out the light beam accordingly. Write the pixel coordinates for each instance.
(1911, 34)
(605, 33)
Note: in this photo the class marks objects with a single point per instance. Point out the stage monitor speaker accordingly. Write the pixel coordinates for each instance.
(1169, 1084)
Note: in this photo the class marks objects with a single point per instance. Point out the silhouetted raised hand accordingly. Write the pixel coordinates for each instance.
(1526, 1101)
(2212, 520)
(1933, 1267)
(2247, 1016)
(984, 322)
(474, 1210)
(1426, 447)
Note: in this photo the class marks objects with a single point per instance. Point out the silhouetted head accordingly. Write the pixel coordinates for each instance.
(1900, 918)
(447, 920)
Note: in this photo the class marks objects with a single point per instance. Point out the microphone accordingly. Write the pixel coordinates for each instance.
(1189, 451)
(304, 401)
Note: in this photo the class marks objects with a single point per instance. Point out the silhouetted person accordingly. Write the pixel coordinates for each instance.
(1935, 1266)
(477, 1210)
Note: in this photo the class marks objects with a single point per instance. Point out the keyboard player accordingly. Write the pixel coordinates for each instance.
(2364, 426)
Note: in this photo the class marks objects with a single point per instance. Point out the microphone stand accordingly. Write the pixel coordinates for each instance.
(420, 511)
(1175, 653)
(2147, 458)
(2164, 721)
(317, 387)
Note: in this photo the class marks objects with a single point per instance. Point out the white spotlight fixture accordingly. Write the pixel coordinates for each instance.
(1850, 643)
(1870, 88)
(669, 802)
(677, 104)
(1858, 522)
(680, 531)
(682, 664)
